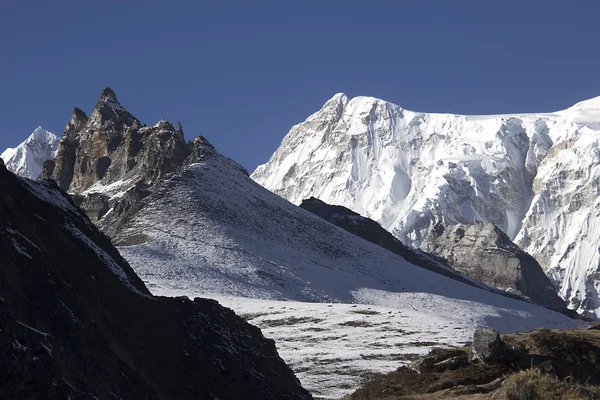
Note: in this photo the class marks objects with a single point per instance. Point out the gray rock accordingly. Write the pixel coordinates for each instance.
(486, 254)
(439, 361)
(487, 347)
(421, 364)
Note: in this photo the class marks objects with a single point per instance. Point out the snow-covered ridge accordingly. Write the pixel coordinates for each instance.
(534, 175)
(28, 158)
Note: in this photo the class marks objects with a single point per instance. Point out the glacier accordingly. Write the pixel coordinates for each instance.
(536, 176)
(28, 157)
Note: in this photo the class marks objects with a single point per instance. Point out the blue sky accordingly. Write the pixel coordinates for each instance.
(242, 73)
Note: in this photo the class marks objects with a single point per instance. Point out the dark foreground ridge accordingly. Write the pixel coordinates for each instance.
(76, 322)
(538, 365)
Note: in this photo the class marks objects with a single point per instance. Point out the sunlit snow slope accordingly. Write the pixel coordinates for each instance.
(27, 158)
(536, 176)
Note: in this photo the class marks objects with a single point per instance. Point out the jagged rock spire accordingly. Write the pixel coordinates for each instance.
(107, 95)
(108, 108)
(78, 120)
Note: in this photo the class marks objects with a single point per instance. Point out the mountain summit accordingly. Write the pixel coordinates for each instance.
(27, 158)
(535, 176)
(104, 156)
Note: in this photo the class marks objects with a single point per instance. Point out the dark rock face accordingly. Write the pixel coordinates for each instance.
(483, 252)
(76, 322)
(487, 347)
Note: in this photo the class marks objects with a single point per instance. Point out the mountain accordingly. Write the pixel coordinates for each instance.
(191, 222)
(535, 176)
(457, 250)
(27, 158)
(77, 322)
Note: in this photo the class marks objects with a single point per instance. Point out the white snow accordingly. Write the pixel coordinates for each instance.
(536, 176)
(114, 189)
(28, 158)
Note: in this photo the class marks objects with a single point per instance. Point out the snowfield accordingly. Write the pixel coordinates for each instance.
(334, 347)
(536, 176)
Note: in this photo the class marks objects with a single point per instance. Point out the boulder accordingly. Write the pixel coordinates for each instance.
(487, 347)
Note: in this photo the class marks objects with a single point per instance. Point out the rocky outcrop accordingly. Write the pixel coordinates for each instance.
(487, 346)
(446, 259)
(485, 253)
(76, 322)
(103, 157)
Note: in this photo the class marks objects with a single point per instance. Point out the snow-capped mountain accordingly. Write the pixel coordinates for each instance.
(28, 158)
(536, 176)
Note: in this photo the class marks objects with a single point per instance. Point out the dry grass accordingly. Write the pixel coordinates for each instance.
(541, 365)
(535, 385)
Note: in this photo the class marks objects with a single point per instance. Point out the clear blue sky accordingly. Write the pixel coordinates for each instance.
(242, 73)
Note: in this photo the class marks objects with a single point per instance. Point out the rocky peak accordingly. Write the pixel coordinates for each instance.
(108, 110)
(107, 95)
(101, 158)
(78, 121)
(163, 124)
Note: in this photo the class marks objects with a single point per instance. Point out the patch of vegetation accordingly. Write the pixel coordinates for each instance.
(536, 385)
(357, 324)
(365, 312)
(290, 321)
(542, 364)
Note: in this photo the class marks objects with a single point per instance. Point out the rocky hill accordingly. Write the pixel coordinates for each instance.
(104, 155)
(76, 321)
